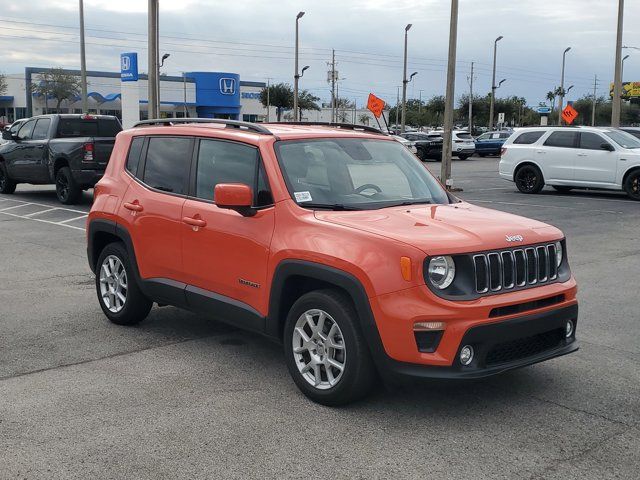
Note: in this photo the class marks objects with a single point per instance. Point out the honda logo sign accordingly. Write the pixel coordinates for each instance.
(228, 86)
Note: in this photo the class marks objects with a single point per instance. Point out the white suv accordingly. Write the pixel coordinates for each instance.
(572, 157)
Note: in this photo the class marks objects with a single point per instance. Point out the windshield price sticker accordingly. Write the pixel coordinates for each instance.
(302, 196)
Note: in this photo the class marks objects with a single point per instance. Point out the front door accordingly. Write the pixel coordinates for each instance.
(16, 153)
(594, 164)
(226, 257)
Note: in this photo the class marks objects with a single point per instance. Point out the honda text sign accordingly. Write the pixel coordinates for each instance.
(129, 67)
(228, 86)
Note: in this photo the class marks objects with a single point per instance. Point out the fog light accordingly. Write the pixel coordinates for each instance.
(568, 329)
(466, 355)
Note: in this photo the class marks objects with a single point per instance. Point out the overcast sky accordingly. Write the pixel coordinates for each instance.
(255, 39)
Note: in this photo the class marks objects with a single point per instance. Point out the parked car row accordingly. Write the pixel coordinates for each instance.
(70, 151)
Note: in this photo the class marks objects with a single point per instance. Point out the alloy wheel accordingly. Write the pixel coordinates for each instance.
(319, 349)
(113, 284)
(62, 186)
(527, 180)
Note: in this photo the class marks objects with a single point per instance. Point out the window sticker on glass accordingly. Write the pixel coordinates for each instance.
(302, 196)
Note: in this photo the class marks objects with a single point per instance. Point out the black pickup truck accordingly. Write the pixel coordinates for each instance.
(70, 151)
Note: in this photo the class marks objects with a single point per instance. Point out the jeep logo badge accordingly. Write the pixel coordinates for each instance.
(515, 238)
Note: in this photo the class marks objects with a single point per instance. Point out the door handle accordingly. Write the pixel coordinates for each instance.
(134, 207)
(194, 222)
(582, 154)
(540, 151)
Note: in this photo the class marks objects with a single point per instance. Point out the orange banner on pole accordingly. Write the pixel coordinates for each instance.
(569, 114)
(375, 104)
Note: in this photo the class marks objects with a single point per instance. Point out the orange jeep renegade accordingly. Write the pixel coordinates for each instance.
(335, 241)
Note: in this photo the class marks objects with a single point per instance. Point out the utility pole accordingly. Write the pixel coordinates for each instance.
(268, 99)
(397, 107)
(152, 82)
(593, 110)
(404, 79)
(333, 86)
(83, 62)
(616, 104)
(471, 101)
(184, 91)
(445, 171)
(562, 92)
(493, 82)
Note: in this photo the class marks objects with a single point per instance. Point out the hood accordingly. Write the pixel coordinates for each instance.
(450, 229)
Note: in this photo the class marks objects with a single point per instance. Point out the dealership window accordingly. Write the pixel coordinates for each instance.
(167, 163)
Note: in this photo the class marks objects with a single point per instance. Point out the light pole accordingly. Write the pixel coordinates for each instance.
(299, 77)
(83, 62)
(404, 79)
(164, 57)
(152, 83)
(562, 92)
(493, 82)
(296, 75)
(445, 171)
(622, 68)
(616, 104)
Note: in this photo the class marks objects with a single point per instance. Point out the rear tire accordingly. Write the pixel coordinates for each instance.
(119, 295)
(529, 179)
(463, 157)
(6, 184)
(325, 329)
(562, 189)
(67, 190)
(632, 185)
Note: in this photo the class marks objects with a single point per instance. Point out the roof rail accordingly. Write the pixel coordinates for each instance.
(219, 121)
(345, 126)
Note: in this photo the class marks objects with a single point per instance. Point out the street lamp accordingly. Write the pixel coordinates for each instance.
(622, 69)
(164, 57)
(493, 82)
(616, 101)
(83, 62)
(296, 75)
(562, 92)
(404, 79)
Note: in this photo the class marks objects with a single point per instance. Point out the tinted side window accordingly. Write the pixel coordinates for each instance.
(562, 139)
(635, 133)
(25, 131)
(167, 163)
(591, 141)
(41, 132)
(133, 159)
(505, 135)
(527, 138)
(227, 162)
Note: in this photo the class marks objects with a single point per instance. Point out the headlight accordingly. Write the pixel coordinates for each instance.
(441, 271)
(558, 246)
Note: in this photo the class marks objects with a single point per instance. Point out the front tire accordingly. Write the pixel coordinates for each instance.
(632, 185)
(6, 184)
(118, 293)
(67, 190)
(529, 179)
(325, 352)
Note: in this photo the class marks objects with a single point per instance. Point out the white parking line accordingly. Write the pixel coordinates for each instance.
(72, 210)
(24, 217)
(16, 206)
(40, 212)
(72, 219)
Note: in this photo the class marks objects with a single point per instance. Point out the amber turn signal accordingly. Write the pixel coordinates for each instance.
(405, 268)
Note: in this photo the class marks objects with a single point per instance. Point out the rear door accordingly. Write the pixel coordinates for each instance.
(593, 163)
(152, 206)
(557, 155)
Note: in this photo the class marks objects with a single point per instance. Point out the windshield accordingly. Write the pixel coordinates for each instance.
(355, 173)
(624, 139)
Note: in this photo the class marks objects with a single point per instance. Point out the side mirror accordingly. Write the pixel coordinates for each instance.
(234, 196)
(607, 146)
(6, 134)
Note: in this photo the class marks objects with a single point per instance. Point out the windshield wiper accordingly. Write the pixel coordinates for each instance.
(330, 206)
(407, 202)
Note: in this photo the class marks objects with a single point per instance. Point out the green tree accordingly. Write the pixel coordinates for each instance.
(307, 101)
(364, 119)
(342, 105)
(3, 84)
(280, 96)
(57, 84)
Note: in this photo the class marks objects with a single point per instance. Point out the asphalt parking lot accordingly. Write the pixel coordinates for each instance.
(181, 396)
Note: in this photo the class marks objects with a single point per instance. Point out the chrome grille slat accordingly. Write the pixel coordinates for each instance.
(514, 268)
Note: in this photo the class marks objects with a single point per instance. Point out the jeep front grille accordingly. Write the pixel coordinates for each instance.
(516, 268)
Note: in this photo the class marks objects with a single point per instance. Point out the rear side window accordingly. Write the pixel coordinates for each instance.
(25, 130)
(464, 136)
(228, 162)
(80, 127)
(167, 162)
(591, 141)
(562, 139)
(133, 159)
(41, 131)
(527, 138)
(505, 135)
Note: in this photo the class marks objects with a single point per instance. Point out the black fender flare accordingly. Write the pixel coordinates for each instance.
(329, 275)
(111, 227)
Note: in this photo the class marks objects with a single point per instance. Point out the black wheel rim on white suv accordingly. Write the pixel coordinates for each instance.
(113, 284)
(527, 179)
(319, 349)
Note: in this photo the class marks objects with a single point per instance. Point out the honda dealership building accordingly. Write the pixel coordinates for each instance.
(196, 94)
